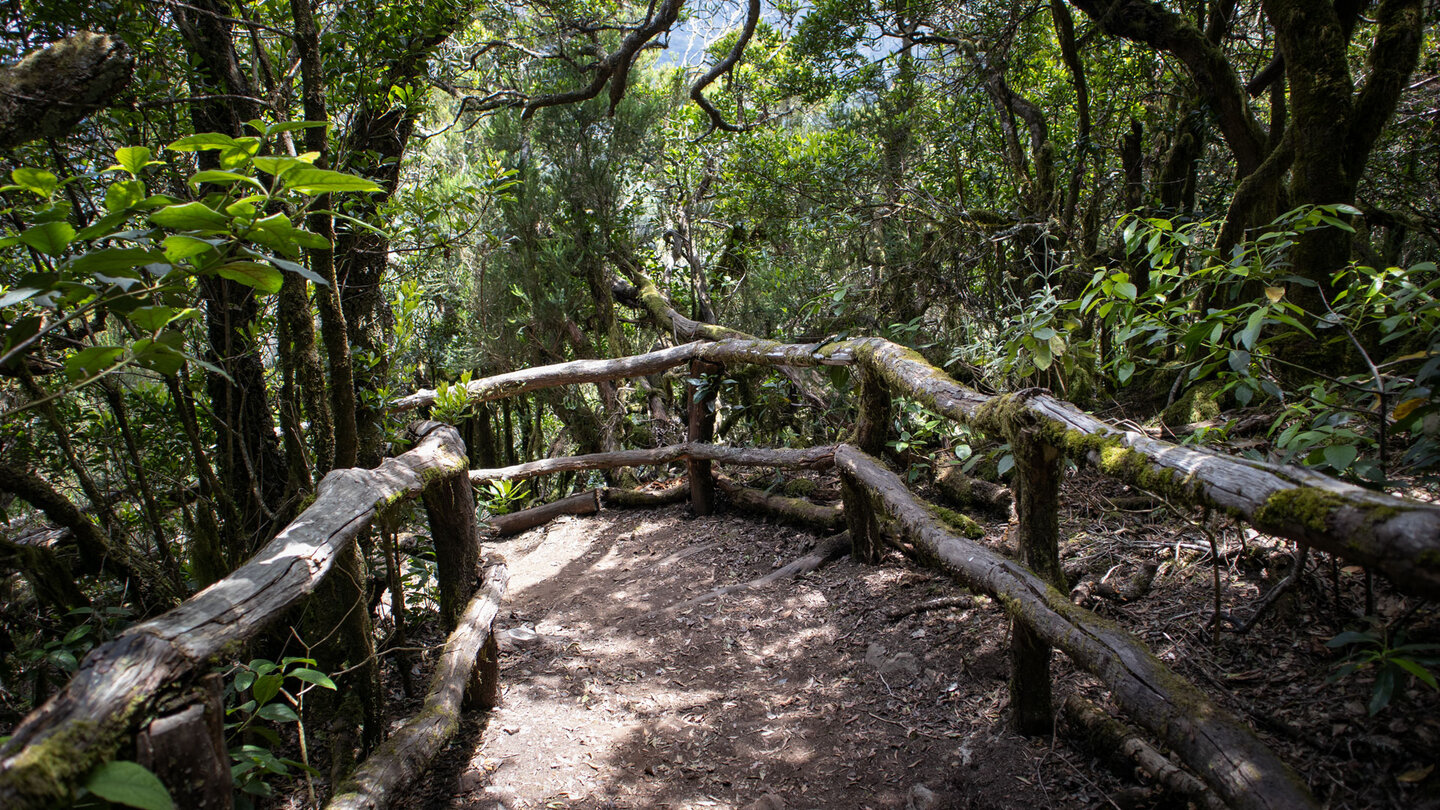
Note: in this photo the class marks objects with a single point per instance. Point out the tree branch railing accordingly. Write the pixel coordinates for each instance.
(121, 682)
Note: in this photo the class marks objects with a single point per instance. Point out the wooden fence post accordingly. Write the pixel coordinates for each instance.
(1037, 504)
(872, 427)
(450, 507)
(701, 405)
(187, 751)
(866, 545)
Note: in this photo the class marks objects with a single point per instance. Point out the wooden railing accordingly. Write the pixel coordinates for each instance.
(156, 664)
(120, 682)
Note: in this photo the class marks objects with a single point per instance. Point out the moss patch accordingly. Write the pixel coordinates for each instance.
(964, 525)
(800, 487)
(1197, 404)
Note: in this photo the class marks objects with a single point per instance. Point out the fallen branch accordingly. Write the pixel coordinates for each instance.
(408, 752)
(834, 548)
(1219, 746)
(792, 511)
(940, 603)
(1112, 739)
(626, 498)
(583, 503)
(966, 491)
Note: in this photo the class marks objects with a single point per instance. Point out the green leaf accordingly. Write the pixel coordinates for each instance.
(179, 247)
(266, 688)
(153, 319)
(93, 360)
(122, 194)
(1126, 290)
(1124, 371)
(239, 154)
(158, 355)
(279, 713)
(130, 784)
(310, 180)
(223, 178)
(37, 181)
(313, 676)
(191, 216)
(262, 277)
(50, 238)
(115, 259)
(133, 158)
(1426, 676)
(243, 679)
(1252, 328)
(1341, 456)
(202, 142)
(278, 166)
(1384, 689)
(1042, 356)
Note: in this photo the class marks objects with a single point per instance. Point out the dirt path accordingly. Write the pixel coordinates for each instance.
(829, 691)
(804, 691)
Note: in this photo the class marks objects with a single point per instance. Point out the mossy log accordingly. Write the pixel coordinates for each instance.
(582, 503)
(631, 498)
(966, 491)
(408, 752)
(1111, 739)
(791, 511)
(1218, 745)
(119, 682)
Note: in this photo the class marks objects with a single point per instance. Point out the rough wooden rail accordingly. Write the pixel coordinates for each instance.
(1222, 749)
(813, 458)
(121, 681)
(1397, 536)
(409, 750)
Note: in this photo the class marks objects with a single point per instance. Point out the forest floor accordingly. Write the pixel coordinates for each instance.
(831, 691)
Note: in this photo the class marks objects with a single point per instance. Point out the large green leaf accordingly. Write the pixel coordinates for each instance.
(114, 259)
(179, 247)
(133, 158)
(50, 238)
(130, 784)
(38, 181)
(310, 180)
(202, 142)
(262, 277)
(191, 216)
(93, 360)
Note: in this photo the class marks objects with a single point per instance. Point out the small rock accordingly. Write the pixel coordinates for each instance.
(921, 798)
(875, 655)
(901, 669)
(767, 802)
